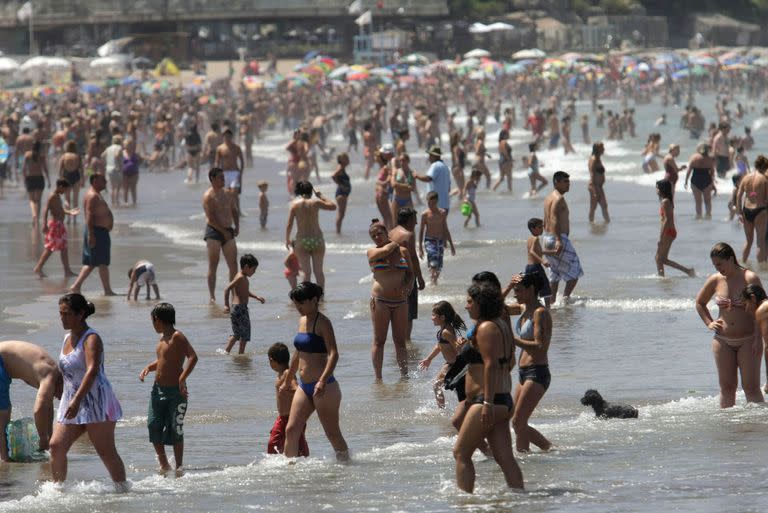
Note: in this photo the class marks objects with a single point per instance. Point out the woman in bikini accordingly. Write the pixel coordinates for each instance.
(315, 359)
(458, 161)
(701, 171)
(751, 204)
(671, 169)
(756, 306)
(70, 169)
(491, 358)
(668, 232)
(480, 155)
(392, 282)
(737, 343)
(293, 161)
(650, 152)
(35, 173)
(505, 161)
(309, 244)
(402, 183)
(533, 332)
(369, 148)
(383, 187)
(596, 182)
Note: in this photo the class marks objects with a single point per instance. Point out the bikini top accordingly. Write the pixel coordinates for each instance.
(728, 302)
(381, 264)
(599, 168)
(524, 330)
(472, 355)
(310, 342)
(440, 339)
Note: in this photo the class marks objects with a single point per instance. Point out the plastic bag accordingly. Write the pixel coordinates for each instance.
(23, 440)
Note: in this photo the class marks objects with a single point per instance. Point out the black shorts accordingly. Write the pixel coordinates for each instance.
(99, 254)
(537, 373)
(214, 234)
(34, 183)
(72, 177)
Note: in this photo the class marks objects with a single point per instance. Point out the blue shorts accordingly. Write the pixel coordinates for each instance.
(5, 388)
(435, 248)
(100, 254)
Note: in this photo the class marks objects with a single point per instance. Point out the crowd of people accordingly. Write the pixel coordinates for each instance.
(111, 137)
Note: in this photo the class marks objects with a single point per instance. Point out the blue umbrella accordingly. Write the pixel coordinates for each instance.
(130, 81)
(90, 88)
(311, 55)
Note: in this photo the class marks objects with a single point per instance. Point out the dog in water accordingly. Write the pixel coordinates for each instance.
(604, 409)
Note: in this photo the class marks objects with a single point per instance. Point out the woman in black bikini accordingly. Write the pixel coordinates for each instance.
(751, 204)
(596, 182)
(701, 171)
(489, 397)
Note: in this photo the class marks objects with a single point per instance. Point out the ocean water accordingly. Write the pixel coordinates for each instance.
(633, 336)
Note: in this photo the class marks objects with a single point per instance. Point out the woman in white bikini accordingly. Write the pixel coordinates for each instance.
(737, 343)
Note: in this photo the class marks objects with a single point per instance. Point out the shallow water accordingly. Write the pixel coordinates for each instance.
(631, 335)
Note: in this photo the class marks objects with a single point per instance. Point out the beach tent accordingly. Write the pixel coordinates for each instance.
(8, 65)
(40, 62)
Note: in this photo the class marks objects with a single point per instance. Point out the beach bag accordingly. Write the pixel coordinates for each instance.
(466, 209)
(23, 440)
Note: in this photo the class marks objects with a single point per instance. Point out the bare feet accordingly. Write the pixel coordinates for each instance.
(691, 272)
(39, 272)
(70, 274)
(110, 293)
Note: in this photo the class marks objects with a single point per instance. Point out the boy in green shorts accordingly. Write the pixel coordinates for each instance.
(168, 401)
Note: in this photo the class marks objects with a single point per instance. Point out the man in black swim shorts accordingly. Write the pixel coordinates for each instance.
(221, 213)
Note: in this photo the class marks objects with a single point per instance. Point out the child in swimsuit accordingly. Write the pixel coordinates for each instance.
(470, 189)
(241, 321)
(433, 235)
(142, 273)
(279, 361)
(449, 323)
(536, 262)
(292, 267)
(168, 400)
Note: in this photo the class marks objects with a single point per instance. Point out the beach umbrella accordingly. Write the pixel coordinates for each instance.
(358, 75)
(142, 63)
(339, 72)
(7, 65)
(129, 81)
(530, 53)
(500, 26)
(415, 58)
(479, 28)
(513, 69)
(477, 53)
(571, 56)
(643, 66)
(113, 46)
(382, 72)
(472, 63)
(705, 60)
(90, 88)
(310, 55)
(527, 62)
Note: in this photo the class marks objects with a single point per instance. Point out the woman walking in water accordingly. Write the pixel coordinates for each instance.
(490, 357)
(392, 282)
(383, 184)
(505, 161)
(533, 332)
(309, 244)
(596, 182)
(315, 359)
(88, 404)
(737, 343)
(668, 232)
(701, 171)
(480, 155)
(71, 169)
(458, 161)
(751, 204)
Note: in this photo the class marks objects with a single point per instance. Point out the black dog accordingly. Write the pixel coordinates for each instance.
(604, 409)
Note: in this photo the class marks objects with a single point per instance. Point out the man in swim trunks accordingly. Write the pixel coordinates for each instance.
(720, 147)
(404, 235)
(96, 241)
(229, 157)
(564, 262)
(33, 365)
(221, 213)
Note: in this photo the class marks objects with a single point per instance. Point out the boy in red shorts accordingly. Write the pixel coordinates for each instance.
(279, 360)
(54, 229)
